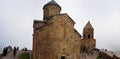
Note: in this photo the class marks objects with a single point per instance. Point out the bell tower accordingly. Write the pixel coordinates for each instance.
(88, 43)
(88, 31)
(50, 9)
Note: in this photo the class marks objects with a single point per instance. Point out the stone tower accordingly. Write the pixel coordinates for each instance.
(55, 37)
(88, 42)
(88, 31)
(51, 9)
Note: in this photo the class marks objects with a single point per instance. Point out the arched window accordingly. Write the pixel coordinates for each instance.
(88, 36)
(84, 35)
(92, 36)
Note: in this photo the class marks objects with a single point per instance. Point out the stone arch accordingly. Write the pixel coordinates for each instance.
(62, 56)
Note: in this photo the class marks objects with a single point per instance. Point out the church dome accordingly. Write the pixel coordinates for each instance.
(52, 2)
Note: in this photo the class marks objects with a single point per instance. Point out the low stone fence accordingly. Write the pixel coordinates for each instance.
(116, 57)
(109, 55)
(106, 56)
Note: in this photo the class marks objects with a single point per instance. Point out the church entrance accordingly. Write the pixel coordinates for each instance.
(63, 57)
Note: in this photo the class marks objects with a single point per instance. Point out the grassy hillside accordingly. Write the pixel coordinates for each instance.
(24, 56)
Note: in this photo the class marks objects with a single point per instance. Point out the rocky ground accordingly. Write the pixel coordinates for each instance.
(93, 55)
(10, 55)
(83, 55)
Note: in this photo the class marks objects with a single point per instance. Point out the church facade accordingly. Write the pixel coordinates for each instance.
(55, 37)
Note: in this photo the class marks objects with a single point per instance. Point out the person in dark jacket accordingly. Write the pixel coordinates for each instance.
(14, 51)
(4, 51)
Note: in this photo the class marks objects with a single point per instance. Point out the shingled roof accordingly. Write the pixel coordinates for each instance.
(88, 25)
(52, 2)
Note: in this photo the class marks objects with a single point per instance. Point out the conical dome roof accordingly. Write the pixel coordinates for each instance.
(52, 2)
(88, 25)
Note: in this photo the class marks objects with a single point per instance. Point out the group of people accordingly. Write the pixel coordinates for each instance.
(5, 51)
(8, 49)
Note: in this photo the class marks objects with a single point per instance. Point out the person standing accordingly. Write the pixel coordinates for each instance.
(4, 51)
(14, 51)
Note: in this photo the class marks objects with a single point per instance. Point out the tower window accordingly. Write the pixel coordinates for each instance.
(84, 35)
(88, 36)
(92, 36)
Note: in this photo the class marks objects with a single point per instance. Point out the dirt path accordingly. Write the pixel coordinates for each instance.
(10, 55)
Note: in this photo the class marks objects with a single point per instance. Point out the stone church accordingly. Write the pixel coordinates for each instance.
(55, 37)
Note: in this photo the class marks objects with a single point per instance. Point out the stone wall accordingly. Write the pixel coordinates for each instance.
(115, 57)
(56, 39)
(88, 43)
(109, 55)
(106, 56)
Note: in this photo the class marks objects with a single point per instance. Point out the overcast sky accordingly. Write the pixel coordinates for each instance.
(16, 20)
